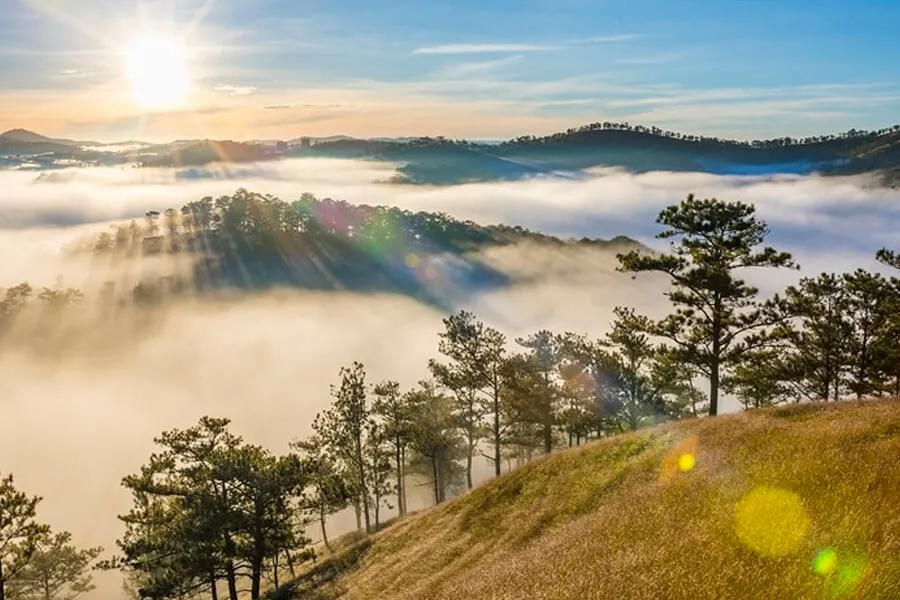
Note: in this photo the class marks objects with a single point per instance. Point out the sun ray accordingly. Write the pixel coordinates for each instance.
(156, 66)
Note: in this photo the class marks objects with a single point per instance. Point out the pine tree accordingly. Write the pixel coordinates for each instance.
(715, 309)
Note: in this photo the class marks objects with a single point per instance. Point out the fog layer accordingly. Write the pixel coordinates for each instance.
(70, 430)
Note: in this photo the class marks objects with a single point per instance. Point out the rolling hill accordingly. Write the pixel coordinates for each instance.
(796, 502)
(440, 161)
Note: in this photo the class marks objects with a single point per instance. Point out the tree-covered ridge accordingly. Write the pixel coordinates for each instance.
(250, 240)
(442, 161)
(585, 131)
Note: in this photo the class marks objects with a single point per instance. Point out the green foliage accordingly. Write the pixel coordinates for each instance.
(395, 416)
(327, 489)
(209, 507)
(437, 440)
(889, 257)
(344, 428)
(20, 532)
(534, 382)
(477, 356)
(57, 570)
(716, 309)
(632, 381)
(835, 339)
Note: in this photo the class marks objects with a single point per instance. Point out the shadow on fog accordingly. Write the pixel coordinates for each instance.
(254, 242)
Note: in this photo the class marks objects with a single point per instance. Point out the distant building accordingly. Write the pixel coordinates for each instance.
(305, 142)
(281, 145)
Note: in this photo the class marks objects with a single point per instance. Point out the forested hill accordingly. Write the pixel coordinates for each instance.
(254, 241)
(441, 161)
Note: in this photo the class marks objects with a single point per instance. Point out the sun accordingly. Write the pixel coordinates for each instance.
(157, 68)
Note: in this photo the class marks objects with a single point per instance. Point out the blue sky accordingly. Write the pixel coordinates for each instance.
(466, 68)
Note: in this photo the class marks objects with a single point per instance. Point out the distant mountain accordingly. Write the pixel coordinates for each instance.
(21, 142)
(193, 154)
(442, 161)
(30, 137)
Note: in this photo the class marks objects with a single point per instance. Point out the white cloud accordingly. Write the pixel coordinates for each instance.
(480, 48)
(606, 39)
(468, 69)
(235, 90)
(655, 59)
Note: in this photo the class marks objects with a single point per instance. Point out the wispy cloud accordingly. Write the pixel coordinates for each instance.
(235, 90)
(467, 69)
(74, 73)
(653, 59)
(607, 39)
(481, 48)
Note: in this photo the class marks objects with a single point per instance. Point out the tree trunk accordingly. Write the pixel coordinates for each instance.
(232, 580)
(434, 472)
(213, 590)
(290, 562)
(2, 583)
(255, 580)
(469, 466)
(714, 389)
(362, 484)
(548, 438)
(440, 482)
(716, 357)
(497, 468)
(401, 508)
(275, 571)
(377, 510)
(324, 533)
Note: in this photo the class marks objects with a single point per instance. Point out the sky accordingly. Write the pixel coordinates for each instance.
(480, 69)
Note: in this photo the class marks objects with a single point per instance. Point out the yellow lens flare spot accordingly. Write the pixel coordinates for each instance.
(680, 459)
(412, 261)
(686, 462)
(825, 562)
(771, 521)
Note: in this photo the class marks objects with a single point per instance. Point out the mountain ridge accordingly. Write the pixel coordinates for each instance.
(443, 161)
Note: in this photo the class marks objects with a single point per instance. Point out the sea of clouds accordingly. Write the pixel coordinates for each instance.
(70, 432)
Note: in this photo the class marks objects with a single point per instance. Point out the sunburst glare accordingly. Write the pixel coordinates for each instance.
(157, 68)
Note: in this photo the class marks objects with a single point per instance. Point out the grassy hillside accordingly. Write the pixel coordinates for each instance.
(792, 503)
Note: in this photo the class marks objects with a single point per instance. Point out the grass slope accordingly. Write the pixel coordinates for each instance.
(769, 493)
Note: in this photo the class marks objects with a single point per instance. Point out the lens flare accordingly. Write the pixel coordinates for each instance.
(771, 521)
(848, 577)
(686, 462)
(825, 562)
(680, 459)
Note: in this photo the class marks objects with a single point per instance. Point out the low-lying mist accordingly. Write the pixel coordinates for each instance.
(73, 425)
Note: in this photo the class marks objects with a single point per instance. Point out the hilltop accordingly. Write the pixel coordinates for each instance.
(794, 502)
(252, 241)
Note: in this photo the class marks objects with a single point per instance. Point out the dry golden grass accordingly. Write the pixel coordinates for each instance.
(617, 519)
